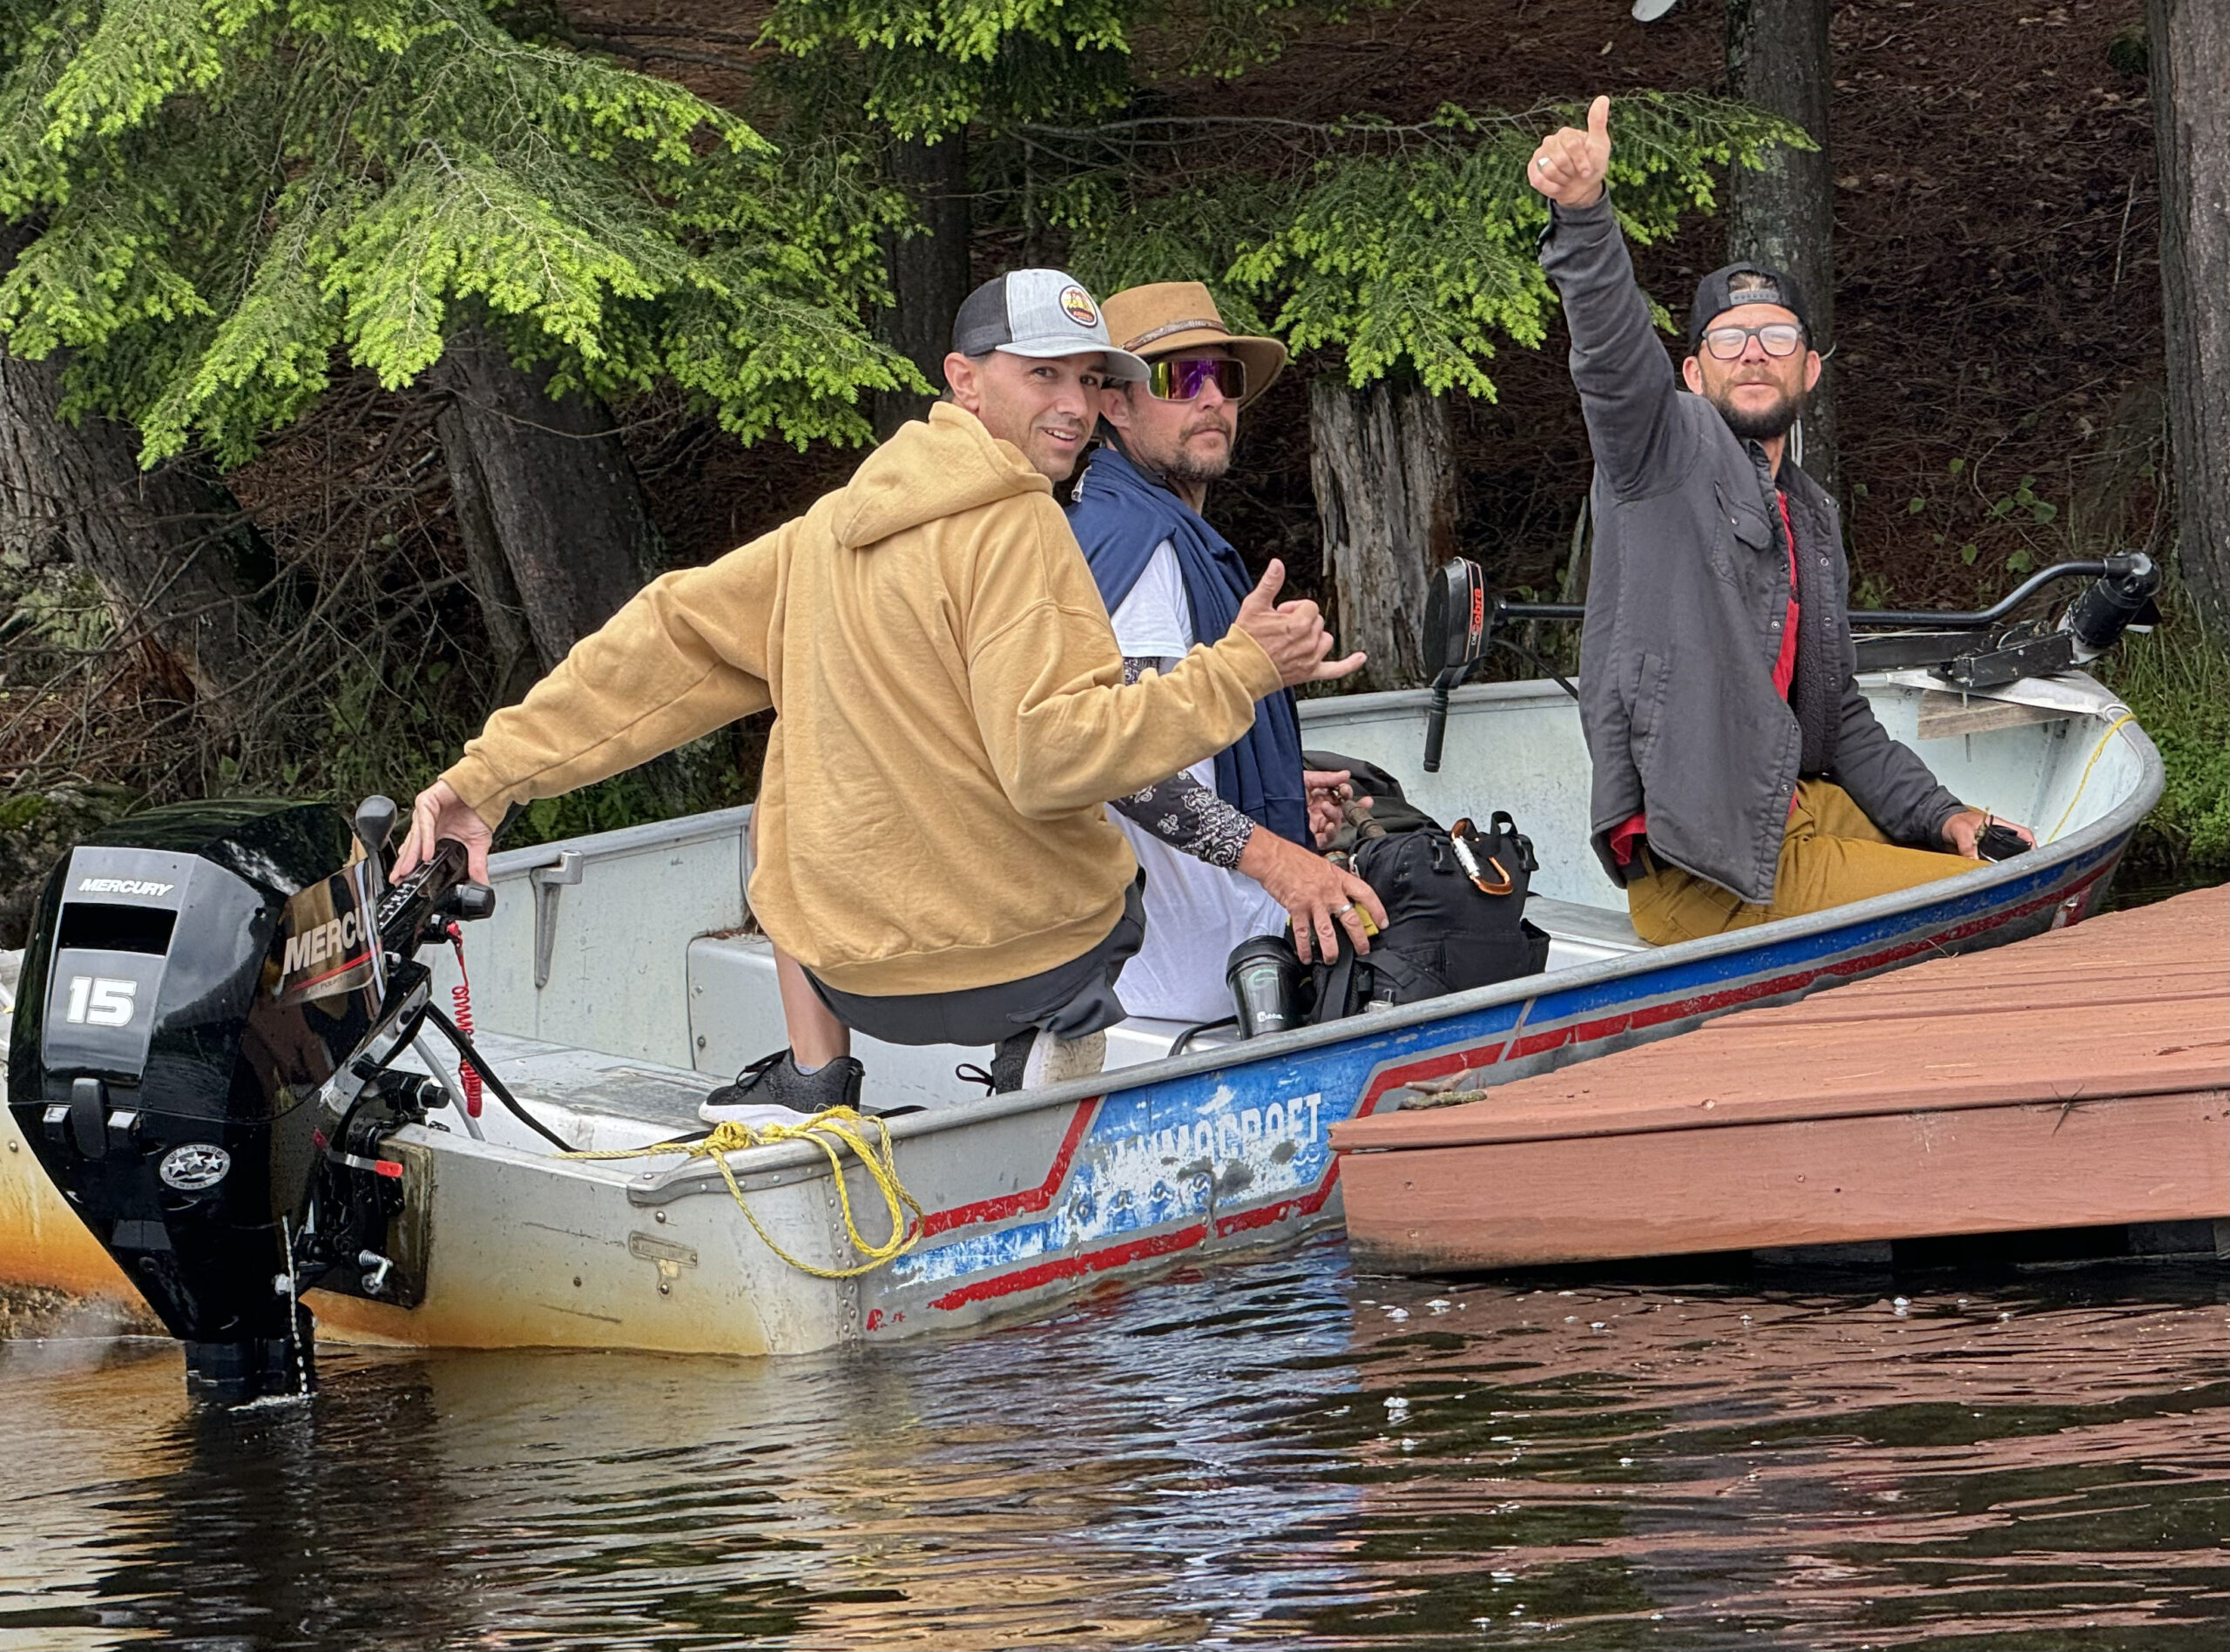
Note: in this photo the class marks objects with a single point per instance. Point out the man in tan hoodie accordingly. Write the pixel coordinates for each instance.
(931, 860)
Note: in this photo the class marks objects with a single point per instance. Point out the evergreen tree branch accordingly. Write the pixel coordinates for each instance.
(235, 194)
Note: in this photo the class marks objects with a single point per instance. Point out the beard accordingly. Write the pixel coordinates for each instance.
(1758, 424)
(1180, 463)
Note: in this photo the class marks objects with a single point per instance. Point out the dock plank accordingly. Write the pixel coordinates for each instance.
(2076, 1078)
(1837, 1181)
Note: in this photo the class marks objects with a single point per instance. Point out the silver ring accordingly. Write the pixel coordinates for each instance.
(1343, 909)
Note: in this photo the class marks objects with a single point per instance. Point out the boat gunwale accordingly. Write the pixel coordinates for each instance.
(652, 834)
(2116, 824)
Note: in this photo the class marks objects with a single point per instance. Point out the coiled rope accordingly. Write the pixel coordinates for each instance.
(834, 1130)
(2095, 751)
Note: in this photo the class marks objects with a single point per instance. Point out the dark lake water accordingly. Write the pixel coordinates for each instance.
(1276, 1454)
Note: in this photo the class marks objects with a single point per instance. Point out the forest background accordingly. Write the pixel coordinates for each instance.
(303, 537)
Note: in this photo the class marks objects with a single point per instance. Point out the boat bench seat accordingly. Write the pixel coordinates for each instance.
(735, 1014)
(1583, 934)
(735, 1017)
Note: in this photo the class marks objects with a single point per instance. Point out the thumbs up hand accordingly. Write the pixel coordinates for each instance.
(1569, 166)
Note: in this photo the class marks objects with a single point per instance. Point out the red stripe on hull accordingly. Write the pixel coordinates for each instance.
(1727, 998)
(1068, 1267)
(1443, 1065)
(1003, 1205)
(1302, 1205)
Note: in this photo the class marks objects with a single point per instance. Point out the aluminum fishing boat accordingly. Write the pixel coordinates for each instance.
(618, 979)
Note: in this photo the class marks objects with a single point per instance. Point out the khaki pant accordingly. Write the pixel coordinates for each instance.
(1831, 855)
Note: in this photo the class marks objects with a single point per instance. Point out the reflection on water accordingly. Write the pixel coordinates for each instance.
(1279, 1453)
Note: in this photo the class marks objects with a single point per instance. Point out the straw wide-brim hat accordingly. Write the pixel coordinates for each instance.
(1167, 317)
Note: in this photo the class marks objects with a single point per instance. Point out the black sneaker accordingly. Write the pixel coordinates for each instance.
(774, 1081)
(1008, 1061)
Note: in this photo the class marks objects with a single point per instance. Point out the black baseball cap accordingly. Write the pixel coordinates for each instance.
(1760, 284)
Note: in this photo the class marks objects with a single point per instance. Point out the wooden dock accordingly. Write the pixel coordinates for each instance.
(2078, 1079)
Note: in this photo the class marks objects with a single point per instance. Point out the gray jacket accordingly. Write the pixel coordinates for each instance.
(1686, 598)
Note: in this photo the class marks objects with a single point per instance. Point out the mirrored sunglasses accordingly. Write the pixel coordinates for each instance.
(1775, 338)
(1181, 378)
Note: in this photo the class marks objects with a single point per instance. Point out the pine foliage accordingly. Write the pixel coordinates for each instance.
(922, 68)
(236, 195)
(1410, 250)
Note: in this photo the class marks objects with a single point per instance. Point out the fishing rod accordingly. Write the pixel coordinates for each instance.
(1461, 618)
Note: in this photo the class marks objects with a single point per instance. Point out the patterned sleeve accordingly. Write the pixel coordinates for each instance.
(1182, 813)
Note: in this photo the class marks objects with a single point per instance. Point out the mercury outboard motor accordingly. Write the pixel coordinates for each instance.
(210, 995)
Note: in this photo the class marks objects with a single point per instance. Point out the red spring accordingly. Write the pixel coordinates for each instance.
(461, 999)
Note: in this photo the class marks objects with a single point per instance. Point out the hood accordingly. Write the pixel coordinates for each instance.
(930, 469)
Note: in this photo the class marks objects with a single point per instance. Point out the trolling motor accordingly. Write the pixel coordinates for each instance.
(210, 997)
(1461, 621)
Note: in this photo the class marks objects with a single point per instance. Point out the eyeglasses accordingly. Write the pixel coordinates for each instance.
(1776, 338)
(1181, 378)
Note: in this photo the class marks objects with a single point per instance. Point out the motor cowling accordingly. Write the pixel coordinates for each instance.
(194, 976)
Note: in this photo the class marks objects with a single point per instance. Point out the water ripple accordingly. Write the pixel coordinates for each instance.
(1279, 1453)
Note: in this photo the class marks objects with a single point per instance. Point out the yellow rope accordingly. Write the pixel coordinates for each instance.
(833, 1130)
(2126, 717)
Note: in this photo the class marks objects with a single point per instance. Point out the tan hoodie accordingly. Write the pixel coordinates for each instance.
(950, 713)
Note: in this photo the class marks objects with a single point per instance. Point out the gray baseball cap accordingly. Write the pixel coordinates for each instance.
(1042, 313)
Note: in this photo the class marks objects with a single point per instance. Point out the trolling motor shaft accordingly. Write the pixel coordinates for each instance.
(1461, 620)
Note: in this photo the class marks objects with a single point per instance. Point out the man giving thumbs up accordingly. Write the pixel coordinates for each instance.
(1739, 773)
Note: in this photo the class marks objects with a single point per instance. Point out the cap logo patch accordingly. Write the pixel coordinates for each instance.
(1076, 305)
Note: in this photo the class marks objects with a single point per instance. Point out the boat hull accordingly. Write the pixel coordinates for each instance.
(1257, 1178)
(1027, 1200)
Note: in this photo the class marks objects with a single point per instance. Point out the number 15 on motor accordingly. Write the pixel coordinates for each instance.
(100, 1000)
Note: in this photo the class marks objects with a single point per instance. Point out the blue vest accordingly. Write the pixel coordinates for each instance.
(1120, 518)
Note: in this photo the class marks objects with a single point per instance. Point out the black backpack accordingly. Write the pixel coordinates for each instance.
(1455, 907)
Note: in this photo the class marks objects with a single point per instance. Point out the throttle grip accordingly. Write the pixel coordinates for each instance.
(407, 905)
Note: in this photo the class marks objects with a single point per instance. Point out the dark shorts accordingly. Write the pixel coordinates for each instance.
(1069, 999)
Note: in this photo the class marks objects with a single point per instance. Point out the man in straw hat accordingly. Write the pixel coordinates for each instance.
(1227, 844)
(931, 860)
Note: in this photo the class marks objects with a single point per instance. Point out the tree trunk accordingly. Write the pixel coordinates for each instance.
(929, 273)
(516, 663)
(557, 532)
(180, 562)
(1784, 216)
(1383, 469)
(2188, 44)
